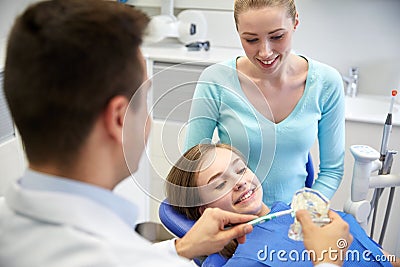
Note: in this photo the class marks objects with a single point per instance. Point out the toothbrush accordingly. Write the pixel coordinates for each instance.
(265, 218)
(274, 215)
(270, 216)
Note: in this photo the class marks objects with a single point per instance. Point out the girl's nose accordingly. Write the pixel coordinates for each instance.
(240, 185)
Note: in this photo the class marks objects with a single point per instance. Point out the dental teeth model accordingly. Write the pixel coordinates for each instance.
(312, 201)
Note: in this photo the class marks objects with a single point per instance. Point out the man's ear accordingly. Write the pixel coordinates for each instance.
(114, 115)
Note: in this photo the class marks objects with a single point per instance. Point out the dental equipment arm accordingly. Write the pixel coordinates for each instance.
(366, 162)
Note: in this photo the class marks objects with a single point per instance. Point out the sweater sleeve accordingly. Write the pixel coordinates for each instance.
(331, 135)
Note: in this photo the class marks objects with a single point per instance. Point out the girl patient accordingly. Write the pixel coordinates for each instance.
(216, 175)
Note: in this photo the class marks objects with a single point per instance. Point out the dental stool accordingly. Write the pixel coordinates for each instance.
(179, 224)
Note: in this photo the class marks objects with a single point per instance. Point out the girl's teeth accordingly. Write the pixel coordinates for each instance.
(246, 196)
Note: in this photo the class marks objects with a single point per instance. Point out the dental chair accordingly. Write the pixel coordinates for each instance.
(179, 224)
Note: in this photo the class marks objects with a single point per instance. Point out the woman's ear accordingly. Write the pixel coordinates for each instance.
(296, 21)
(114, 115)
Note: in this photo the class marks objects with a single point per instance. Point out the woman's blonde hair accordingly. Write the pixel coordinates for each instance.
(241, 6)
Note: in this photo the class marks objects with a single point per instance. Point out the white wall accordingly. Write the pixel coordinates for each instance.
(9, 9)
(345, 33)
(341, 33)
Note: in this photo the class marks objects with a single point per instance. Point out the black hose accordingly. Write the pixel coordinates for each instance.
(372, 205)
(376, 202)
(387, 213)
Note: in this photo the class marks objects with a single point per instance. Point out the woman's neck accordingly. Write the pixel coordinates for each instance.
(292, 66)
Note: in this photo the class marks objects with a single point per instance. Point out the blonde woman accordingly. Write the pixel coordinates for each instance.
(272, 104)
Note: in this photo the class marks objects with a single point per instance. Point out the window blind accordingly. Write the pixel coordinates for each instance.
(7, 130)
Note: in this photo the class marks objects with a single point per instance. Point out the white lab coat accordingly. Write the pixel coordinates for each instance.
(44, 229)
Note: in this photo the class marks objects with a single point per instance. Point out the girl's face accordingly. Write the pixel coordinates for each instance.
(225, 182)
(266, 36)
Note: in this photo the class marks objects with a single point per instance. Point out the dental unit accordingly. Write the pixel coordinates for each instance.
(367, 161)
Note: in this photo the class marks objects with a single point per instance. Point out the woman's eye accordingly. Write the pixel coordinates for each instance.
(277, 37)
(252, 40)
(220, 185)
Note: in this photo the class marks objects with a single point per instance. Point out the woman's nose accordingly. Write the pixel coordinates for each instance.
(265, 49)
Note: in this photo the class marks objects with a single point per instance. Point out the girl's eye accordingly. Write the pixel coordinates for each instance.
(277, 37)
(221, 185)
(252, 40)
(242, 171)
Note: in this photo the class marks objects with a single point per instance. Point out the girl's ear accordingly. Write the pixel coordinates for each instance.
(202, 209)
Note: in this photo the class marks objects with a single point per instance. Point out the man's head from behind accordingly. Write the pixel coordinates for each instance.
(66, 59)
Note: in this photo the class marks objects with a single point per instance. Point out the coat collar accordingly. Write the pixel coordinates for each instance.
(69, 208)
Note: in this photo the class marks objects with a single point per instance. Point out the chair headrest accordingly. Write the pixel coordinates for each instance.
(176, 222)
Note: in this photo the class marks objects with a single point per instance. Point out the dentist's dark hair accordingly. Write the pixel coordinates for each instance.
(65, 60)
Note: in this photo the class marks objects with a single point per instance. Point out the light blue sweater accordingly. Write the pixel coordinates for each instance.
(277, 153)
